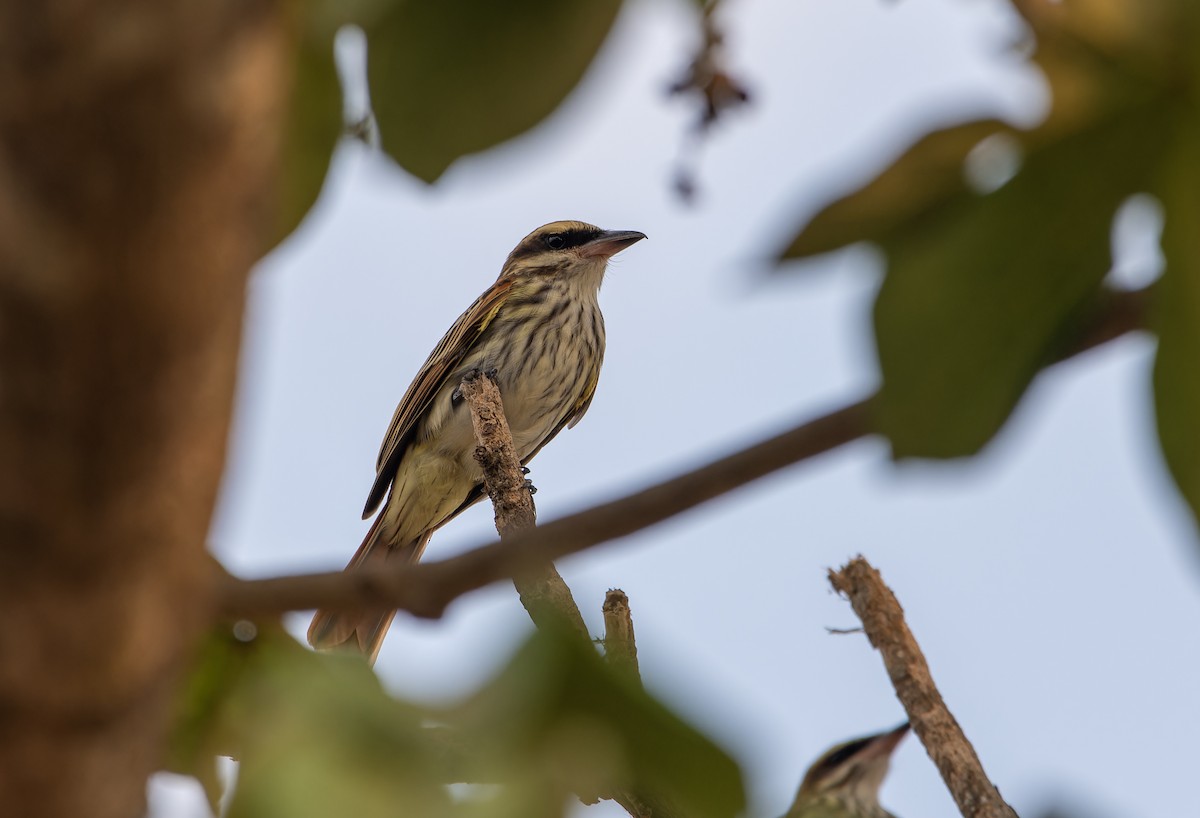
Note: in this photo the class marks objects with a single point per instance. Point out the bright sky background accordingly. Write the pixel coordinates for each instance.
(1052, 582)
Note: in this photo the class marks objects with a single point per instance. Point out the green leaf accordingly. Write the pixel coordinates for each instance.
(1176, 316)
(198, 735)
(458, 76)
(981, 290)
(314, 734)
(320, 737)
(928, 175)
(314, 122)
(559, 718)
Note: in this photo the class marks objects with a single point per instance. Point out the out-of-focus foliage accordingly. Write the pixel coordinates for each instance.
(458, 76)
(447, 79)
(314, 122)
(988, 276)
(563, 720)
(315, 735)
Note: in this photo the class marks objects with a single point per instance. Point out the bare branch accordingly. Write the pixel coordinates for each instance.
(620, 648)
(542, 590)
(932, 721)
(426, 589)
(496, 455)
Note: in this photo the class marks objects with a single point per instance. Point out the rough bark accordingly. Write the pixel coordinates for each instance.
(931, 719)
(542, 590)
(137, 141)
(620, 645)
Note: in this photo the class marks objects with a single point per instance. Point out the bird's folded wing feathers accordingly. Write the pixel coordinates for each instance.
(441, 363)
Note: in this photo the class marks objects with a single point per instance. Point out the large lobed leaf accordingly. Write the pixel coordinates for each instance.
(983, 288)
(1177, 312)
(980, 290)
(314, 122)
(447, 79)
(457, 76)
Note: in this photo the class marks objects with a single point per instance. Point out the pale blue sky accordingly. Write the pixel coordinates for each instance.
(1052, 582)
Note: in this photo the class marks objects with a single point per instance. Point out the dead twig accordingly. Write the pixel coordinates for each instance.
(931, 720)
(542, 590)
(620, 648)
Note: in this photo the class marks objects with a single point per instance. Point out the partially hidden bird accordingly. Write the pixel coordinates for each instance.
(539, 332)
(844, 782)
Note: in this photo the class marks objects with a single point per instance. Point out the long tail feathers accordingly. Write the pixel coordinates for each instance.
(362, 631)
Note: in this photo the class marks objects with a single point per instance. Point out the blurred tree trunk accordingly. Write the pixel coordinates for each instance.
(137, 149)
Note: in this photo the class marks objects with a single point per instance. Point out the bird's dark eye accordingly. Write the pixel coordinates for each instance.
(555, 242)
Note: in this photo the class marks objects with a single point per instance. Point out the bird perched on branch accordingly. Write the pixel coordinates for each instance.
(845, 781)
(539, 329)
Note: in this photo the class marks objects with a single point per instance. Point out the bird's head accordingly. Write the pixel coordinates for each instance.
(849, 775)
(574, 248)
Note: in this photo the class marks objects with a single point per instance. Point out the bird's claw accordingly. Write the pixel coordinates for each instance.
(492, 373)
(531, 487)
(524, 470)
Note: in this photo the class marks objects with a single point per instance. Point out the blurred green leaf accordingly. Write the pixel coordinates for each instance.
(447, 79)
(928, 176)
(320, 737)
(314, 734)
(979, 295)
(982, 288)
(561, 718)
(198, 735)
(458, 76)
(314, 122)
(1177, 314)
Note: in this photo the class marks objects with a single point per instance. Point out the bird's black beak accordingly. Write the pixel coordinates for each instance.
(609, 243)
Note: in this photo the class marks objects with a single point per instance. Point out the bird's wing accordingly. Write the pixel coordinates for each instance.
(445, 357)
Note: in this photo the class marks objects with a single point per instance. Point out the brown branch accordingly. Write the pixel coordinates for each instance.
(620, 647)
(496, 455)
(426, 589)
(931, 720)
(620, 651)
(542, 590)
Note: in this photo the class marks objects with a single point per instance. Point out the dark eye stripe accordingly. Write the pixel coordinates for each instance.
(538, 244)
(840, 755)
(571, 238)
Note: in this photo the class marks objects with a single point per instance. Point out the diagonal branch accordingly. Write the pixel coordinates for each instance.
(426, 589)
(542, 590)
(931, 720)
